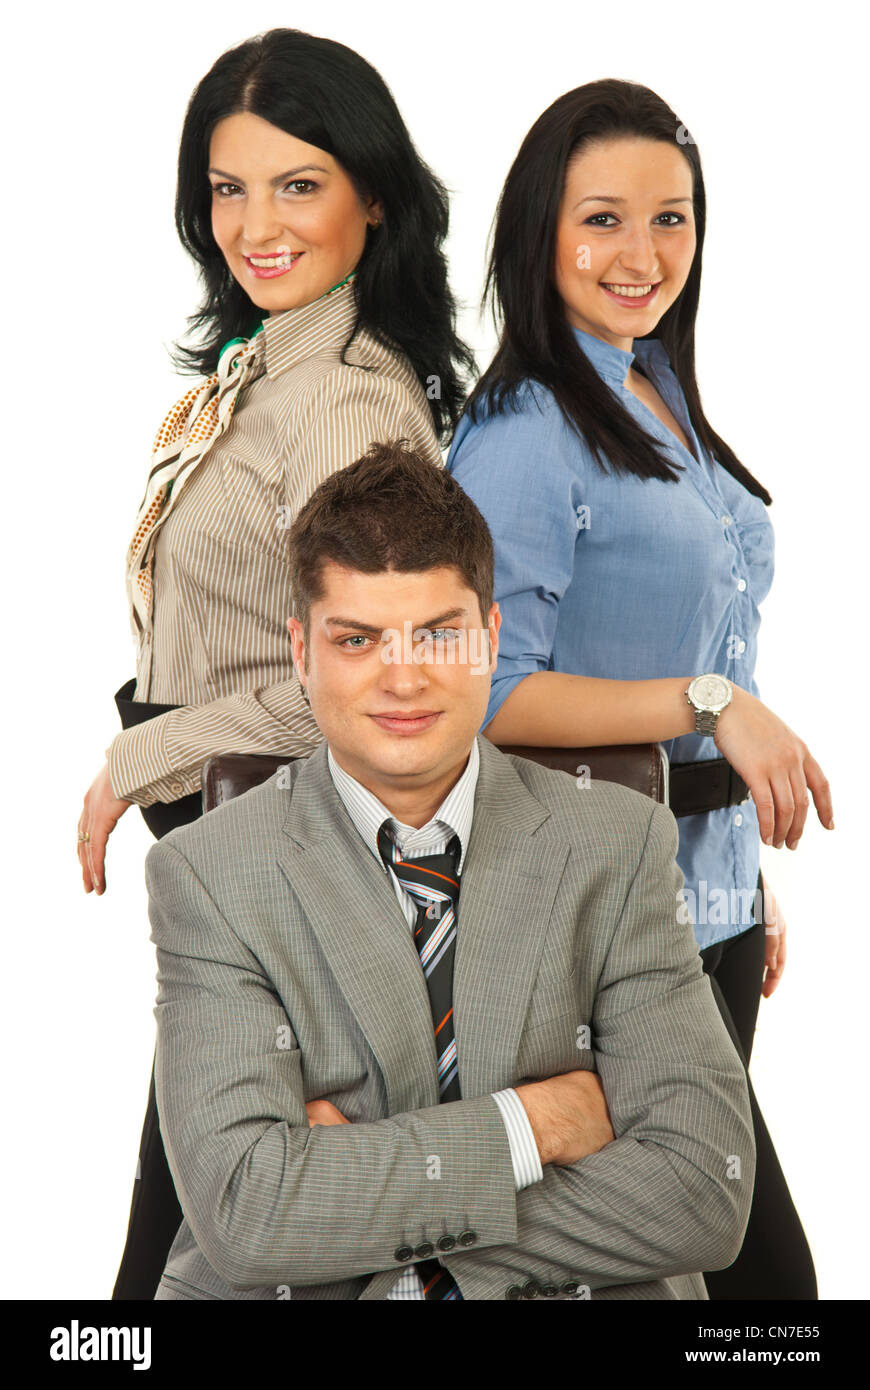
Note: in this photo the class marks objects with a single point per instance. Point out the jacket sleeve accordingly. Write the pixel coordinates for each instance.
(671, 1193)
(270, 1200)
(161, 759)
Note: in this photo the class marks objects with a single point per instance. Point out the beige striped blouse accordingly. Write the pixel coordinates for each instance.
(220, 646)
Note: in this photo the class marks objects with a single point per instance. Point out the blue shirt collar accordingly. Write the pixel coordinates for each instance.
(612, 362)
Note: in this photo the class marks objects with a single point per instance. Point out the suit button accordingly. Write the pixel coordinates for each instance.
(446, 1242)
(530, 1290)
(425, 1250)
(550, 1291)
(404, 1252)
(514, 1291)
(467, 1237)
(570, 1286)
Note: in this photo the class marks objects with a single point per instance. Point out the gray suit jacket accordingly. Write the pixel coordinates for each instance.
(287, 973)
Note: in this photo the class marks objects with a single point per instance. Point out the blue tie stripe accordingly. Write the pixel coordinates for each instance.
(425, 895)
(447, 1066)
(437, 942)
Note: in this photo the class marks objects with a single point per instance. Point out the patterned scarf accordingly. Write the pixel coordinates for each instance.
(187, 433)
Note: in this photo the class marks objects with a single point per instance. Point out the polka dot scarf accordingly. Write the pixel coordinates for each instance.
(184, 438)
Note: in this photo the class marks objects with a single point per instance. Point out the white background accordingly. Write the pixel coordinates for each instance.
(97, 287)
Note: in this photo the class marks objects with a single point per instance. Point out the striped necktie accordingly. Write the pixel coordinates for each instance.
(433, 882)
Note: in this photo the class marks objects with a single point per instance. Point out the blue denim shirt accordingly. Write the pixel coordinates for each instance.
(629, 579)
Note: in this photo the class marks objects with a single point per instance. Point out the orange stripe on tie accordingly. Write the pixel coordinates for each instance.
(432, 872)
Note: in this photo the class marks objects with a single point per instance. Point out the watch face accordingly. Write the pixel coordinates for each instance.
(710, 691)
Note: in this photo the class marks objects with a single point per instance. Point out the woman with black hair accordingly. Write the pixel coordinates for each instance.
(327, 324)
(633, 548)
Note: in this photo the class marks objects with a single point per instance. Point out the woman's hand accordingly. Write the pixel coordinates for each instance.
(777, 767)
(100, 814)
(323, 1112)
(774, 949)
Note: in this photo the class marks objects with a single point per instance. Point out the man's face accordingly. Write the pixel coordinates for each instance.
(397, 669)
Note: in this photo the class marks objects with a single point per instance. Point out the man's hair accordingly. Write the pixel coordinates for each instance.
(391, 509)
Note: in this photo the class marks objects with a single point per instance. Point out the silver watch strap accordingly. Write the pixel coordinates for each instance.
(706, 721)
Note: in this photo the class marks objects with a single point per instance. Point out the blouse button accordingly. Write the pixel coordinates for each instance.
(738, 819)
(741, 584)
(725, 519)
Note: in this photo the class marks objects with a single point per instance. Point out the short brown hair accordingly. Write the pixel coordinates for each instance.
(391, 509)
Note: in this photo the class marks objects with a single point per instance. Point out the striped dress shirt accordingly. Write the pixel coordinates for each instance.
(453, 817)
(220, 648)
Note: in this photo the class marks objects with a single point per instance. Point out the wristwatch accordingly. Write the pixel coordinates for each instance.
(708, 695)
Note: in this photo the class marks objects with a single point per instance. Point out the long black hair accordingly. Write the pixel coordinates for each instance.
(537, 342)
(327, 95)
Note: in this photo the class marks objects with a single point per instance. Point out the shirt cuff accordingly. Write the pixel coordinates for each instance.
(524, 1150)
(140, 770)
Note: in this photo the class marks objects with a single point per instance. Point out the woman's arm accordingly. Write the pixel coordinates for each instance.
(162, 758)
(526, 475)
(521, 471)
(774, 940)
(551, 709)
(554, 709)
(342, 413)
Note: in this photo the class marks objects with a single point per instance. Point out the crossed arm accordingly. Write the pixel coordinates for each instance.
(271, 1199)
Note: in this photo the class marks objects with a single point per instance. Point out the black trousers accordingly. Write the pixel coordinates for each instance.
(155, 1213)
(775, 1260)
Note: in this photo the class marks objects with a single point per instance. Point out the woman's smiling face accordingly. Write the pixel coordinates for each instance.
(626, 224)
(277, 198)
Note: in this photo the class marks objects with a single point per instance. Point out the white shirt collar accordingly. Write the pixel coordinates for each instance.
(368, 813)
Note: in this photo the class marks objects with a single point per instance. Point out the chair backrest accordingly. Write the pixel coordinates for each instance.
(641, 766)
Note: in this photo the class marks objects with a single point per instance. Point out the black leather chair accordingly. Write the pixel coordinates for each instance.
(642, 766)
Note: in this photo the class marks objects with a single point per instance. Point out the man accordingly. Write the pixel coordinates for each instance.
(500, 1073)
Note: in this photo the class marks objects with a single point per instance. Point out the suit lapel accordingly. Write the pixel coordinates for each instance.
(352, 906)
(508, 885)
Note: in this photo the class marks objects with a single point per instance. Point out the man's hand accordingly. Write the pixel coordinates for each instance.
(323, 1112)
(100, 814)
(568, 1115)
